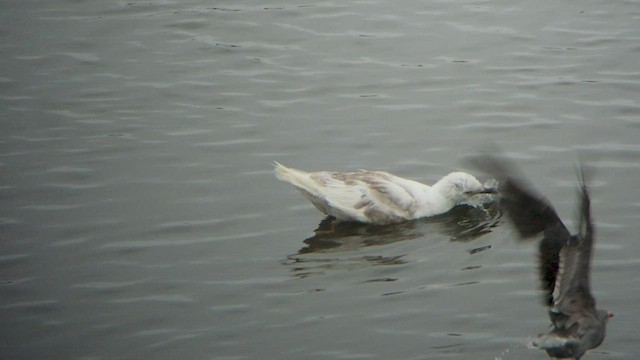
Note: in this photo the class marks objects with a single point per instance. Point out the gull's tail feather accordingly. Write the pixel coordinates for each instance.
(308, 186)
(282, 172)
(297, 178)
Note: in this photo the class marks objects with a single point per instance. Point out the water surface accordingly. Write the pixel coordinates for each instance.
(140, 218)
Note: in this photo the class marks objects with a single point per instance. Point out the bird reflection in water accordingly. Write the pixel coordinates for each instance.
(335, 243)
(564, 261)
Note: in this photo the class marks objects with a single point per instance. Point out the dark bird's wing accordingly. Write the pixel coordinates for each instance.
(531, 214)
(574, 315)
(573, 293)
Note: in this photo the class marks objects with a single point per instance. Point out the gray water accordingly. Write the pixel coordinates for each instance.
(140, 219)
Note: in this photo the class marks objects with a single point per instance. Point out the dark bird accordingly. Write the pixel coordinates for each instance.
(564, 259)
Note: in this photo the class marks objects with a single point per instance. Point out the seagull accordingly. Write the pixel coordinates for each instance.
(576, 324)
(378, 197)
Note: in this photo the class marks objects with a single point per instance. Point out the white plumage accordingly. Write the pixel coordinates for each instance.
(378, 197)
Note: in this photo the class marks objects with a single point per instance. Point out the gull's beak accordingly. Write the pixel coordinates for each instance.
(489, 187)
(491, 190)
(483, 191)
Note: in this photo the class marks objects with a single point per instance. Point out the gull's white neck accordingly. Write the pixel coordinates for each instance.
(430, 201)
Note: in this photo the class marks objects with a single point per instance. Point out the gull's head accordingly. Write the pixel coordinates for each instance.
(460, 187)
(603, 316)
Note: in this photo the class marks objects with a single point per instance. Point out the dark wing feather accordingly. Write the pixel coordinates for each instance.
(574, 291)
(531, 214)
